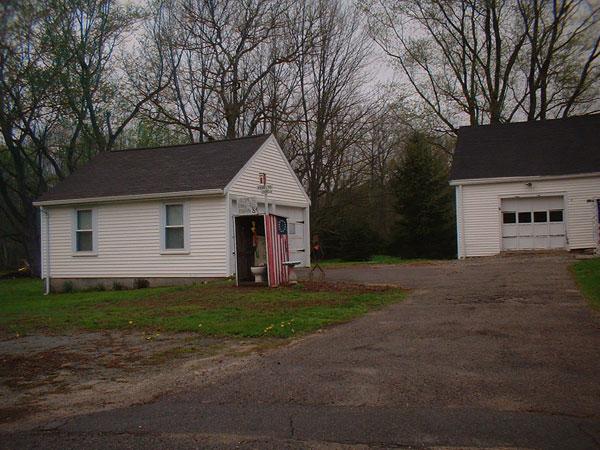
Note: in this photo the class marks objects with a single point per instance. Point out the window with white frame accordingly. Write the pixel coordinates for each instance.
(174, 235)
(291, 228)
(84, 230)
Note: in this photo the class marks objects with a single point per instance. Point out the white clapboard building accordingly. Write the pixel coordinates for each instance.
(166, 214)
(528, 186)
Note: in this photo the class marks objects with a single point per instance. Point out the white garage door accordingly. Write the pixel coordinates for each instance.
(533, 223)
(296, 231)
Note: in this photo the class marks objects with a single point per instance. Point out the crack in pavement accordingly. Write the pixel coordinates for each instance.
(292, 431)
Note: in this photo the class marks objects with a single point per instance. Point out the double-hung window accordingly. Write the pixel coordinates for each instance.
(84, 236)
(174, 232)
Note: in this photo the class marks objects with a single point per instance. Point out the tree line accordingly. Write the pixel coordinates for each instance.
(79, 77)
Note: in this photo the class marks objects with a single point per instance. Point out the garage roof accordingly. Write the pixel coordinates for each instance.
(177, 168)
(549, 147)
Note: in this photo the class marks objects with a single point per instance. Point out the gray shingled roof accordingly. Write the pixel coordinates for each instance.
(550, 147)
(179, 168)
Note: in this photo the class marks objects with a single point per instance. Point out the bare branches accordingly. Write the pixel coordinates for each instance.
(491, 62)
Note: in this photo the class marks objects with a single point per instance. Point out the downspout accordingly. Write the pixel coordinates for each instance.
(229, 231)
(46, 257)
(460, 225)
(307, 237)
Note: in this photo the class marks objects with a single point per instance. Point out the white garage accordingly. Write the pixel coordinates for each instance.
(527, 186)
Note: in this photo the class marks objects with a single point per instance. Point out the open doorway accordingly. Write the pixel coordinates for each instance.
(250, 247)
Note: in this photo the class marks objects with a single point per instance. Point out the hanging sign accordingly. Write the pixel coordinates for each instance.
(265, 189)
(247, 205)
(262, 178)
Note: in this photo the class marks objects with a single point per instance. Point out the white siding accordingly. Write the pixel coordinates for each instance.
(270, 160)
(129, 242)
(481, 211)
(287, 199)
(299, 243)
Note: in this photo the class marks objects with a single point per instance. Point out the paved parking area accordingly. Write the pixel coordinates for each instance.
(491, 352)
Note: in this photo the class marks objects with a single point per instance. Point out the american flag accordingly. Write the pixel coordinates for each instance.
(277, 249)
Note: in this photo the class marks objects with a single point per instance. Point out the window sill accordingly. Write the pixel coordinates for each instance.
(175, 252)
(78, 254)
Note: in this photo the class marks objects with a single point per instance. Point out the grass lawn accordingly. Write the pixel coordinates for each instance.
(587, 274)
(212, 309)
(375, 259)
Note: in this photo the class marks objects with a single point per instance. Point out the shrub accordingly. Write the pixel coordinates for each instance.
(352, 223)
(141, 283)
(357, 242)
(351, 240)
(68, 286)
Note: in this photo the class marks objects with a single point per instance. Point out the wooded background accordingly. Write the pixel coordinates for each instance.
(366, 97)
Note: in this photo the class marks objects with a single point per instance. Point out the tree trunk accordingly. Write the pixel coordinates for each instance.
(33, 243)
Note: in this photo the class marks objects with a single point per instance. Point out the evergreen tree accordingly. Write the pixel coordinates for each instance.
(425, 226)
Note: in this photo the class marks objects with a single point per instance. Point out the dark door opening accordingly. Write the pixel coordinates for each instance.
(250, 246)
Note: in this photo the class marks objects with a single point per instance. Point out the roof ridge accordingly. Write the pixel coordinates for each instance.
(190, 143)
(530, 122)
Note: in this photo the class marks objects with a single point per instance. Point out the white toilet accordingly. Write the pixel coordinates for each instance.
(259, 273)
(259, 270)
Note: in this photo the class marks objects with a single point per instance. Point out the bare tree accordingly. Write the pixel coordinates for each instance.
(27, 118)
(103, 95)
(561, 64)
(491, 61)
(63, 97)
(183, 104)
(333, 109)
(245, 41)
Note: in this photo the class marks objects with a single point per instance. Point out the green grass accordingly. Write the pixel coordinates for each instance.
(587, 274)
(375, 259)
(212, 309)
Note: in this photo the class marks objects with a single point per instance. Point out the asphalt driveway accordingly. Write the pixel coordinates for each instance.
(493, 352)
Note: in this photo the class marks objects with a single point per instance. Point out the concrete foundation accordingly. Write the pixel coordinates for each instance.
(81, 284)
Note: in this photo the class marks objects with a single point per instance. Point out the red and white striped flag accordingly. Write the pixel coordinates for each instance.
(277, 249)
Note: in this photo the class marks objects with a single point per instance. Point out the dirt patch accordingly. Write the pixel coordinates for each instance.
(18, 370)
(49, 377)
(13, 413)
(345, 286)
